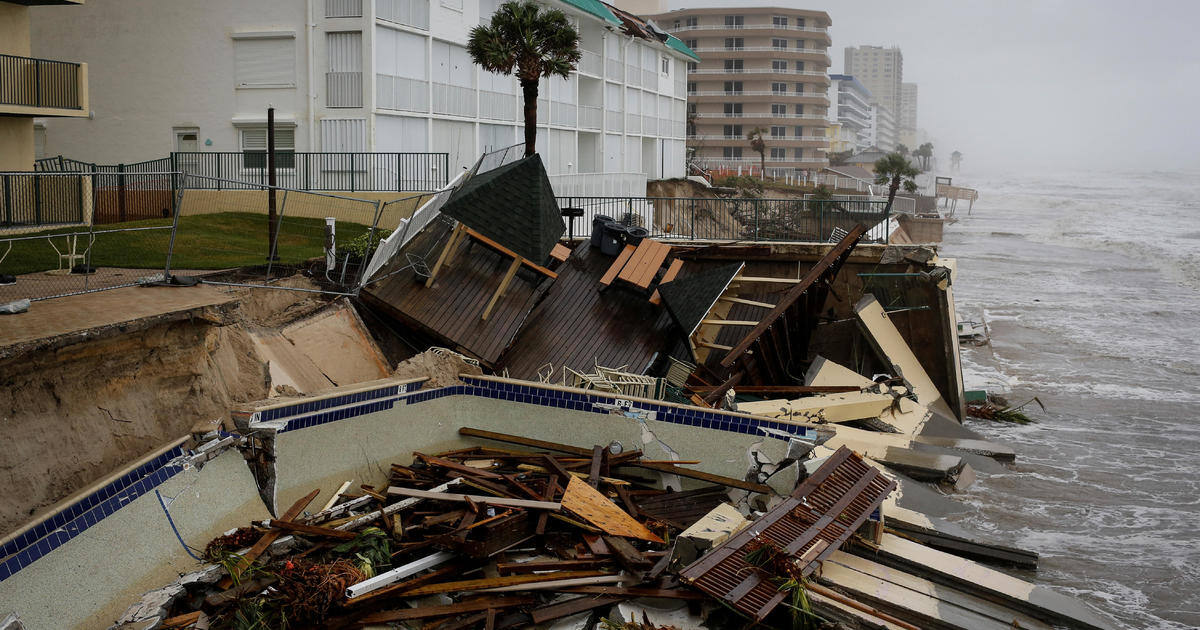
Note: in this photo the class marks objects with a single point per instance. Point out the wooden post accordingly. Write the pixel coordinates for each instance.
(272, 235)
(512, 271)
(445, 255)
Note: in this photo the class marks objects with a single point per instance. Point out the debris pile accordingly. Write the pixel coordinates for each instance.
(503, 538)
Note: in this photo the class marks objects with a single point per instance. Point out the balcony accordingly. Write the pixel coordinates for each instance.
(790, 141)
(41, 87)
(769, 51)
(750, 27)
(767, 71)
(820, 97)
(343, 89)
(761, 115)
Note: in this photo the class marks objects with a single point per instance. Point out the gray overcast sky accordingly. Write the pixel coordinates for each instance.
(1051, 83)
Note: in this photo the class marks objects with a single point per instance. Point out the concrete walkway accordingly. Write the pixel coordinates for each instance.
(50, 319)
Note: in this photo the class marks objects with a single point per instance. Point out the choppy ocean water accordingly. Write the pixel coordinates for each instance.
(1090, 283)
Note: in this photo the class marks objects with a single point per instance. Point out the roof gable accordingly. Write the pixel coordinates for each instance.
(513, 205)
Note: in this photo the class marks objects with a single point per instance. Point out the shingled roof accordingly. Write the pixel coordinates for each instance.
(513, 205)
(689, 299)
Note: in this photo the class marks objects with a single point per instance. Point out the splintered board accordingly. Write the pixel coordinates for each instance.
(596, 509)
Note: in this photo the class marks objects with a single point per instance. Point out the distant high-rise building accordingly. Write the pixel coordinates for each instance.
(850, 110)
(908, 106)
(881, 70)
(883, 128)
(759, 67)
(907, 123)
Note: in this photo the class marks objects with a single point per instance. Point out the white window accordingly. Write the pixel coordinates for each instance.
(413, 13)
(666, 65)
(343, 80)
(254, 147)
(264, 60)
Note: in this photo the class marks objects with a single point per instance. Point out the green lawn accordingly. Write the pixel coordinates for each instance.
(210, 241)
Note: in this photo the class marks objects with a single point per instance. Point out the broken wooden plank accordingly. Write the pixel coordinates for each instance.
(829, 262)
(496, 582)
(271, 536)
(672, 272)
(516, 568)
(583, 452)
(471, 498)
(423, 612)
(597, 509)
(617, 265)
(571, 607)
(313, 530)
(504, 282)
(399, 588)
(395, 507)
(638, 591)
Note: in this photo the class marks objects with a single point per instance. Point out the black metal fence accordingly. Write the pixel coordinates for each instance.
(122, 192)
(32, 82)
(799, 220)
(34, 199)
(334, 172)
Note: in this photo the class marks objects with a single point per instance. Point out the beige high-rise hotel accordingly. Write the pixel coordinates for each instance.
(760, 67)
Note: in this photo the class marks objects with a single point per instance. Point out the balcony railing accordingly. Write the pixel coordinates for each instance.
(750, 27)
(807, 73)
(817, 95)
(772, 49)
(767, 138)
(760, 115)
(30, 82)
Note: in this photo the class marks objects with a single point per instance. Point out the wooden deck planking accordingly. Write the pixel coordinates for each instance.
(578, 326)
(452, 307)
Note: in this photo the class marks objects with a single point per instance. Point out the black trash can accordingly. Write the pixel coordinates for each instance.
(598, 222)
(612, 238)
(634, 234)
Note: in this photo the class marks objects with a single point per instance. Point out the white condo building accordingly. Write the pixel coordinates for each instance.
(358, 75)
(850, 110)
(883, 132)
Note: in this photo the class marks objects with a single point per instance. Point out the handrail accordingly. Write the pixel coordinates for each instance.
(33, 82)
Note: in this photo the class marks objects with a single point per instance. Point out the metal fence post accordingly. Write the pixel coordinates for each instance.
(121, 193)
(37, 200)
(757, 210)
(399, 174)
(177, 206)
(274, 255)
(693, 223)
(352, 172)
(8, 215)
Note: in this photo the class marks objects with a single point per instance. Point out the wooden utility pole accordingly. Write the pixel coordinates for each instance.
(272, 251)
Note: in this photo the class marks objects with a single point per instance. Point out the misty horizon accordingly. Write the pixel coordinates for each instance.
(1066, 85)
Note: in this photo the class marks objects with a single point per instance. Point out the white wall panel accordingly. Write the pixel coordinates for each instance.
(401, 134)
(457, 139)
(344, 134)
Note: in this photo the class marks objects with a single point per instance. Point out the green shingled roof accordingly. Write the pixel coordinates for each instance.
(513, 205)
(596, 8)
(689, 299)
(674, 42)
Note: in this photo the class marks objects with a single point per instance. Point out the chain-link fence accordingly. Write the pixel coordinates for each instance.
(52, 246)
(268, 233)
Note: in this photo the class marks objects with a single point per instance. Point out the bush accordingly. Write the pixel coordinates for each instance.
(746, 184)
(362, 246)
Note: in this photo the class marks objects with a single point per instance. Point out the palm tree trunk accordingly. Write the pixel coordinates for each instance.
(529, 91)
(892, 188)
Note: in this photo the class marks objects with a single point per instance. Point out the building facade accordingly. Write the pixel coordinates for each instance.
(883, 132)
(850, 110)
(33, 88)
(360, 75)
(760, 67)
(908, 115)
(881, 70)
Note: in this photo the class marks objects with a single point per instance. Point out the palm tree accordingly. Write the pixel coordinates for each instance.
(891, 169)
(955, 160)
(925, 152)
(757, 143)
(901, 149)
(536, 43)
